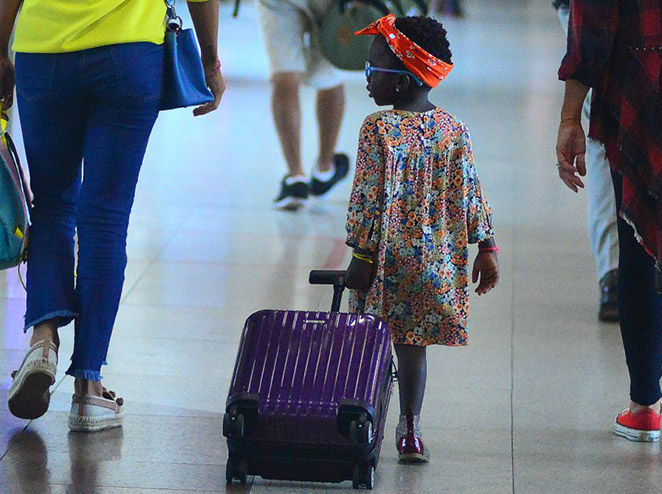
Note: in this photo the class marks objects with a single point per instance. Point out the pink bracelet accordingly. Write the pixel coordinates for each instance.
(489, 249)
(216, 69)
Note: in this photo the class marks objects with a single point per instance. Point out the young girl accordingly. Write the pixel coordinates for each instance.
(415, 207)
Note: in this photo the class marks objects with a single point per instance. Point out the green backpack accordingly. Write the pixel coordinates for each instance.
(15, 200)
(337, 41)
(411, 8)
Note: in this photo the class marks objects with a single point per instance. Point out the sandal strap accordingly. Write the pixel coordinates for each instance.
(98, 401)
(111, 395)
(108, 400)
(45, 349)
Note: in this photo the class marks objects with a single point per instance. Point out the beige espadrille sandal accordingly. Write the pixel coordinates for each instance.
(91, 413)
(29, 396)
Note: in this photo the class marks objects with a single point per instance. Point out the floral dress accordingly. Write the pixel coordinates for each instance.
(418, 203)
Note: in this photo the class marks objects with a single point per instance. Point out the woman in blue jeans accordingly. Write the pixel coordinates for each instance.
(89, 77)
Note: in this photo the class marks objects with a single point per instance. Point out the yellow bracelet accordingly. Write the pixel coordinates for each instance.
(363, 257)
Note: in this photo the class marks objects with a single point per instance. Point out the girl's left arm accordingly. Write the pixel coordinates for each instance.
(364, 217)
(205, 15)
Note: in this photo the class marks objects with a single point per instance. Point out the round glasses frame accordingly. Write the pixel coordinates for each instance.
(369, 70)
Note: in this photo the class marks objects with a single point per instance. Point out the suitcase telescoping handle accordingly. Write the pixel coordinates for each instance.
(335, 278)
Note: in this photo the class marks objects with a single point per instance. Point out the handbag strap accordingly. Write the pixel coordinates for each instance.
(174, 23)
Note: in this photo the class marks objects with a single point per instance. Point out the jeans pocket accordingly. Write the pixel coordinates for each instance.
(139, 68)
(34, 75)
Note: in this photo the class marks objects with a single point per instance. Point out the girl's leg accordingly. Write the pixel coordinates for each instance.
(412, 375)
(640, 310)
(124, 91)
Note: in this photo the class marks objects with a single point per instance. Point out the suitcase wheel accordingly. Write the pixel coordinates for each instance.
(236, 468)
(363, 476)
(361, 431)
(233, 424)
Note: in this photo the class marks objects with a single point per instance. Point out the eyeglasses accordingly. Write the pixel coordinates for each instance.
(369, 69)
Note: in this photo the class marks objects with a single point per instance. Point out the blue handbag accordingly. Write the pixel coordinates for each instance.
(184, 77)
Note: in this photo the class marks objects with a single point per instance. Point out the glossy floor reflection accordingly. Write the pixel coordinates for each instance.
(527, 407)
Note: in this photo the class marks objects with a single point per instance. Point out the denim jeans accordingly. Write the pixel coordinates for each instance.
(86, 119)
(640, 311)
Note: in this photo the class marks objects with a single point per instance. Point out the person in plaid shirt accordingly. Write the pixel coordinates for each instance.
(601, 208)
(615, 47)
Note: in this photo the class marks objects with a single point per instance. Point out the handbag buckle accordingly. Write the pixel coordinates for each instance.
(174, 24)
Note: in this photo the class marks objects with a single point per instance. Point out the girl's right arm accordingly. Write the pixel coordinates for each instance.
(8, 12)
(486, 266)
(479, 218)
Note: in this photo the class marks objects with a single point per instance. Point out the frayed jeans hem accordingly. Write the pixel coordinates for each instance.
(64, 316)
(87, 374)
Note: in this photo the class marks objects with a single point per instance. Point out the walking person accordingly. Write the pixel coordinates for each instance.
(89, 78)
(291, 34)
(614, 47)
(601, 208)
(416, 205)
(452, 8)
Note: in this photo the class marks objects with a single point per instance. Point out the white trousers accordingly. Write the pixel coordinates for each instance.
(601, 203)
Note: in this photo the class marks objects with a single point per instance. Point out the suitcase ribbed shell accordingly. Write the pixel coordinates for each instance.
(302, 364)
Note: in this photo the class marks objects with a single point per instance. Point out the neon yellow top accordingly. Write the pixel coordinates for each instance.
(58, 26)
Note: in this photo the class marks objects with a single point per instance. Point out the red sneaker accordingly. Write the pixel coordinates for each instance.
(410, 445)
(643, 426)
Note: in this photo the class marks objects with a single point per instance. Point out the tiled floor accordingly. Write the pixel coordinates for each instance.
(527, 407)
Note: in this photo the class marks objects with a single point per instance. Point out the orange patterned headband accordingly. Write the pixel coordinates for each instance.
(423, 65)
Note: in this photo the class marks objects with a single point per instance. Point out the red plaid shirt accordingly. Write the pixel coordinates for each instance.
(615, 46)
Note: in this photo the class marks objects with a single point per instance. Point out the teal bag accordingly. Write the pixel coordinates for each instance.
(337, 41)
(15, 199)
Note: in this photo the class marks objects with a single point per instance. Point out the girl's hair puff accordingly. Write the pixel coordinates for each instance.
(426, 33)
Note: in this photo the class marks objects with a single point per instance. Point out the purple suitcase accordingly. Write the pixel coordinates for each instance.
(309, 394)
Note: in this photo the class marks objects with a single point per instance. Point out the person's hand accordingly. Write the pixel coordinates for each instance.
(486, 267)
(570, 153)
(216, 85)
(7, 82)
(359, 275)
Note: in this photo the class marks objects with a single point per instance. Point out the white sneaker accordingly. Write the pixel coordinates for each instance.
(91, 413)
(28, 396)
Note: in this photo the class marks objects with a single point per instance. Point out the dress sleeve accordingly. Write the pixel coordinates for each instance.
(478, 211)
(591, 32)
(364, 216)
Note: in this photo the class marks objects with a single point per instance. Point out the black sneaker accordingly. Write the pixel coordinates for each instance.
(341, 169)
(608, 297)
(292, 196)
